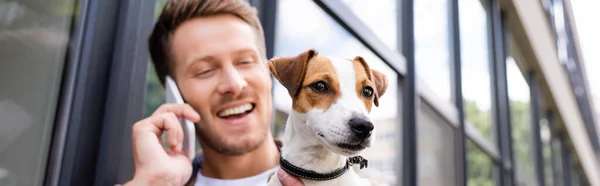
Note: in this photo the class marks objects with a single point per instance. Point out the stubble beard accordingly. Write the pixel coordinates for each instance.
(231, 145)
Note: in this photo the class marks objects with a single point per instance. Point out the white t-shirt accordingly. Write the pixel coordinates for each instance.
(260, 179)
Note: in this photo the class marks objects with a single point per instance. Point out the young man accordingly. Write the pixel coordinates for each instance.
(215, 51)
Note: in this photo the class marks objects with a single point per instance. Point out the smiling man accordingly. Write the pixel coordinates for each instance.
(215, 52)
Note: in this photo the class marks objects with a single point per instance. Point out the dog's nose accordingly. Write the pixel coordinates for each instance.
(361, 127)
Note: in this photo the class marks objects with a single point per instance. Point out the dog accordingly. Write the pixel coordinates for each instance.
(328, 123)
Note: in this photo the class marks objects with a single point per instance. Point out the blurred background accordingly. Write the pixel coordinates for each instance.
(481, 93)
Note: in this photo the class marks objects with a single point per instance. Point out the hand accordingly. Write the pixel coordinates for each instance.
(288, 180)
(154, 164)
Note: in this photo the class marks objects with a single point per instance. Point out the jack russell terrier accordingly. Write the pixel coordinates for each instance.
(329, 122)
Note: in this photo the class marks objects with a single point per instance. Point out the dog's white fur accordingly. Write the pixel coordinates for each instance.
(305, 148)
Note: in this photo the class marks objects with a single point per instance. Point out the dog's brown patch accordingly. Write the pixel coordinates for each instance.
(363, 80)
(290, 71)
(319, 69)
(298, 74)
(365, 76)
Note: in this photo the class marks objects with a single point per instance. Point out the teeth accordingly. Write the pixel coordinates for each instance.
(236, 110)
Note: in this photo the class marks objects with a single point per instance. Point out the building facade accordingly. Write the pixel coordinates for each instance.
(481, 92)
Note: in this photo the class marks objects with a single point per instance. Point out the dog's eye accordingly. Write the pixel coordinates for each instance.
(319, 87)
(367, 91)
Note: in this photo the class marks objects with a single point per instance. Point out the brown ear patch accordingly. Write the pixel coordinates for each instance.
(381, 82)
(320, 69)
(290, 71)
(377, 78)
(298, 74)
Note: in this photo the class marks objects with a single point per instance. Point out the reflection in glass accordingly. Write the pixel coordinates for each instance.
(436, 149)
(432, 45)
(557, 158)
(475, 55)
(518, 94)
(479, 166)
(329, 38)
(575, 175)
(546, 135)
(155, 93)
(380, 17)
(34, 41)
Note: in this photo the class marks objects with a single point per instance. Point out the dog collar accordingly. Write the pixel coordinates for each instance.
(312, 175)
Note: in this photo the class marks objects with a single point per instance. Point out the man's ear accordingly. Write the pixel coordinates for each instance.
(290, 71)
(379, 79)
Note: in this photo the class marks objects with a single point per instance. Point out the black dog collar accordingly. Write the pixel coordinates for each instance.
(312, 175)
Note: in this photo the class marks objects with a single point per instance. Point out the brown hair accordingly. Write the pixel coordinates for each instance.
(176, 12)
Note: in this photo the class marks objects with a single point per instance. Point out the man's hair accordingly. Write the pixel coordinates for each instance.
(176, 12)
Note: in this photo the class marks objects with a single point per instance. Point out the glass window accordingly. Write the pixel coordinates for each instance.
(480, 168)
(155, 93)
(329, 38)
(575, 175)
(557, 157)
(546, 135)
(518, 94)
(475, 54)
(432, 51)
(436, 149)
(34, 41)
(380, 17)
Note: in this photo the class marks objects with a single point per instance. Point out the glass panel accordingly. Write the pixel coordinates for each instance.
(436, 149)
(545, 134)
(432, 51)
(557, 160)
(329, 38)
(155, 93)
(520, 112)
(575, 176)
(480, 168)
(34, 41)
(475, 54)
(380, 17)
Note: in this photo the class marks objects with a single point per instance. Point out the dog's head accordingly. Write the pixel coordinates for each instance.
(335, 95)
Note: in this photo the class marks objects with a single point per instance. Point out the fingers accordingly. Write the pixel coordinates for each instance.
(288, 180)
(180, 110)
(174, 130)
(165, 118)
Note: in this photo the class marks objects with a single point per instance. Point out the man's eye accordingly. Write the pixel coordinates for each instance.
(204, 72)
(245, 62)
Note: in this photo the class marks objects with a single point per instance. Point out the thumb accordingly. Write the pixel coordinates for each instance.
(288, 180)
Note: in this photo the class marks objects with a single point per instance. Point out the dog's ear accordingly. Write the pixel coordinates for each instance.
(381, 83)
(378, 78)
(290, 71)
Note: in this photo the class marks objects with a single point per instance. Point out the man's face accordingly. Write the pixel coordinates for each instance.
(220, 73)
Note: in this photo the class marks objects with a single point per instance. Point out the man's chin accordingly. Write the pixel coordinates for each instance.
(233, 143)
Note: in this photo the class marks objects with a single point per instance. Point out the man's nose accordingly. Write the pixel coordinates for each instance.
(233, 82)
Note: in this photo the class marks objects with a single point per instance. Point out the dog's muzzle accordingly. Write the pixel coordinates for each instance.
(361, 128)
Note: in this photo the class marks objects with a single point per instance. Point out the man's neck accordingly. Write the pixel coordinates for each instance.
(220, 166)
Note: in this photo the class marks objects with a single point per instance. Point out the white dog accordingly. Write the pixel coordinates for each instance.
(328, 123)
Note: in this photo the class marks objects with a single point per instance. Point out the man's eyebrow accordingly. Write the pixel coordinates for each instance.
(203, 59)
(244, 51)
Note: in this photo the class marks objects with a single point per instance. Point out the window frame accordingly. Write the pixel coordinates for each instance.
(103, 90)
(102, 94)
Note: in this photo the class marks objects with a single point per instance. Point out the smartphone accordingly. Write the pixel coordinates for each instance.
(173, 95)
